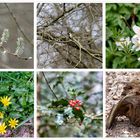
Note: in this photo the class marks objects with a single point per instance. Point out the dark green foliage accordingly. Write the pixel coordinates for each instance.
(61, 102)
(20, 87)
(119, 21)
(78, 114)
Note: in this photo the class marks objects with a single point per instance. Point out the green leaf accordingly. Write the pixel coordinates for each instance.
(116, 62)
(78, 114)
(15, 115)
(62, 102)
(23, 101)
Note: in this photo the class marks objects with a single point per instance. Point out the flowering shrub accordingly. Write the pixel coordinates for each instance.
(69, 104)
(16, 100)
(123, 36)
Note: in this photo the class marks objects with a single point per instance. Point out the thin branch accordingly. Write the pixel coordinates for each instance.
(67, 96)
(49, 85)
(14, 18)
(13, 54)
(72, 63)
(59, 17)
(82, 48)
(71, 42)
(39, 8)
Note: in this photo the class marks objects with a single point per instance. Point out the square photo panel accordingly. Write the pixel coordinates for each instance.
(69, 104)
(69, 35)
(16, 35)
(122, 35)
(123, 104)
(16, 104)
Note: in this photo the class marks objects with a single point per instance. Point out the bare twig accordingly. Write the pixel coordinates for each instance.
(13, 54)
(49, 85)
(40, 6)
(59, 17)
(82, 48)
(14, 18)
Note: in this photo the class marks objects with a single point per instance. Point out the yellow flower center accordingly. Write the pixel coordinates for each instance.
(13, 123)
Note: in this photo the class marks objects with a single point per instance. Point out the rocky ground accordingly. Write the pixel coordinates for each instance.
(114, 87)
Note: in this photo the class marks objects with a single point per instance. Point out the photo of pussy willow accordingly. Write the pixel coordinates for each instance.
(16, 35)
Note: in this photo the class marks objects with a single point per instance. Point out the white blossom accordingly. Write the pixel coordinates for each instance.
(123, 42)
(139, 59)
(136, 38)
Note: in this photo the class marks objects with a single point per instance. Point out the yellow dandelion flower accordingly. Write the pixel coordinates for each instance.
(2, 128)
(13, 123)
(1, 115)
(5, 100)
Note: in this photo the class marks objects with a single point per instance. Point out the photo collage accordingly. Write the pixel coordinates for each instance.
(69, 69)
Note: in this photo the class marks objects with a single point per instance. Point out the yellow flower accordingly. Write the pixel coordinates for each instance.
(2, 128)
(1, 115)
(5, 100)
(13, 123)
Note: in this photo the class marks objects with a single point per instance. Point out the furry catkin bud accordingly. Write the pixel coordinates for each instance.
(20, 46)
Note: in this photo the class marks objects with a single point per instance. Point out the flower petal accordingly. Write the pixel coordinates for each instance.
(138, 49)
(134, 47)
(136, 29)
(134, 39)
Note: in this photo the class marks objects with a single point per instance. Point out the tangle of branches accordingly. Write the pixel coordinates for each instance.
(69, 35)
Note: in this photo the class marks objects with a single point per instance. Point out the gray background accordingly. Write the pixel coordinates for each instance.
(23, 13)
